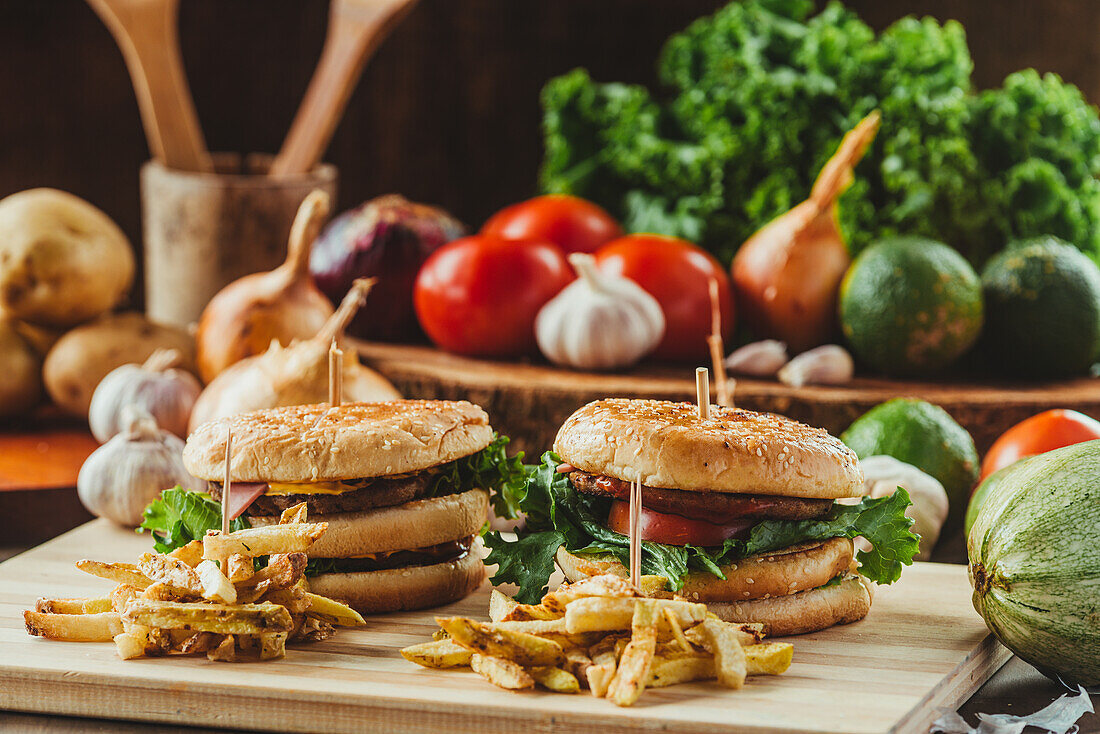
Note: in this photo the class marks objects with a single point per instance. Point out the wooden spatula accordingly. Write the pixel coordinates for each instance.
(146, 31)
(356, 29)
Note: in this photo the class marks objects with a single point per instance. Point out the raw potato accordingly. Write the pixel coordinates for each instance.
(20, 372)
(62, 261)
(85, 355)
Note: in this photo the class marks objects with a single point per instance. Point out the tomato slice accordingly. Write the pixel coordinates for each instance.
(663, 527)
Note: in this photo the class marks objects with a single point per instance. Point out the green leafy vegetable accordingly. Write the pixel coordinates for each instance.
(558, 516)
(757, 96)
(491, 469)
(179, 516)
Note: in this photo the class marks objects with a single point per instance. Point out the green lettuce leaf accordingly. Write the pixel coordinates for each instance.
(491, 469)
(180, 515)
(560, 516)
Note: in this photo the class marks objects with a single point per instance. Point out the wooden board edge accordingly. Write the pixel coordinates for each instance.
(957, 687)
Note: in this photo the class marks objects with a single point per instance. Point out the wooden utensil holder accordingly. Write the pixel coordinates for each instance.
(204, 230)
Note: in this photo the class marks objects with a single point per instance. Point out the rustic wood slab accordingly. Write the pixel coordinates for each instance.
(921, 649)
(529, 401)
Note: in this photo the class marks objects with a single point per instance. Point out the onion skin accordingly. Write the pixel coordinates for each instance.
(282, 305)
(787, 275)
(389, 237)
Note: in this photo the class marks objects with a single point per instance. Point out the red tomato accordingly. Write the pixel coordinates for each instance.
(571, 223)
(479, 295)
(1038, 434)
(661, 527)
(677, 274)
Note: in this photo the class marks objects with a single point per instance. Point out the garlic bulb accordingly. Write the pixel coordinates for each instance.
(167, 394)
(884, 474)
(294, 375)
(599, 321)
(825, 365)
(125, 474)
(759, 359)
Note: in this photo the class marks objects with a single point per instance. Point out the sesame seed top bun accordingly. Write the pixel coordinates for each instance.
(316, 443)
(667, 445)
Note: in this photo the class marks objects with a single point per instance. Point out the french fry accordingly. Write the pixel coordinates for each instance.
(599, 614)
(200, 642)
(296, 514)
(121, 595)
(633, 671)
(265, 540)
(172, 572)
(101, 627)
(666, 671)
(240, 619)
(161, 591)
(531, 612)
(601, 586)
(525, 649)
(673, 623)
(438, 654)
(272, 645)
(555, 679)
(746, 634)
(282, 571)
(315, 629)
(602, 670)
(214, 585)
(502, 673)
(120, 573)
(577, 662)
(500, 605)
(333, 612)
(241, 568)
(721, 640)
(225, 652)
(74, 606)
(296, 601)
(191, 554)
(533, 627)
(772, 658)
(129, 646)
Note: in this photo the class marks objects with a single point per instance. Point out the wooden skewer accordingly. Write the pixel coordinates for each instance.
(717, 349)
(702, 392)
(335, 374)
(228, 483)
(635, 542)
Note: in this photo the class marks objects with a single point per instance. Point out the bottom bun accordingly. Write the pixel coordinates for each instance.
(807, 611)
(402, 589)
(783, 572)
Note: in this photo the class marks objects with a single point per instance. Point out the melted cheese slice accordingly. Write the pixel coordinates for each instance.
(276, 488)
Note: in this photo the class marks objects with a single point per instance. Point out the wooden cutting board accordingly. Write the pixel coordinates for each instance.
(921, 649)
(530, 400)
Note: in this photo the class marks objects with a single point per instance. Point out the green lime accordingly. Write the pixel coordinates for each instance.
(926, 436)
(1043, 309)
(910, 306)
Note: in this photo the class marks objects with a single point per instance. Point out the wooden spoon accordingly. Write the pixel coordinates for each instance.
(356, 29)
(146, 31)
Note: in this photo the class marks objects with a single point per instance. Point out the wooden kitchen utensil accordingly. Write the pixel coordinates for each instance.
(146, 31)
(356, 29)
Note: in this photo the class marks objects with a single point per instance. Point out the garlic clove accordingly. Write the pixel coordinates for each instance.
(759, 359)
(828, 364)
(166, 393)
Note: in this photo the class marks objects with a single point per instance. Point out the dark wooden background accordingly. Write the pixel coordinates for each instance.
(447, 112)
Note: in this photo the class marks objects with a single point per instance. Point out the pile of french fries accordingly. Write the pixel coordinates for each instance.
(206, 597)
(601, 634)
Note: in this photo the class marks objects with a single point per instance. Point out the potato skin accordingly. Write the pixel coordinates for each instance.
(20, 372)
(84, 356)
(62, 260)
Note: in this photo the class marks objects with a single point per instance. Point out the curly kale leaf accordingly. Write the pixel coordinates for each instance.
(491, 469)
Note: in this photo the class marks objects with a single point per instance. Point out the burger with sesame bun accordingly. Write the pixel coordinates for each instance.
(403, 485)
(739, 511)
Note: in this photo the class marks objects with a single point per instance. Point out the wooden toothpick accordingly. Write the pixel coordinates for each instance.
(335, 374)
(227, 485)
(635, 541)
(717, 348)
(702, 392)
